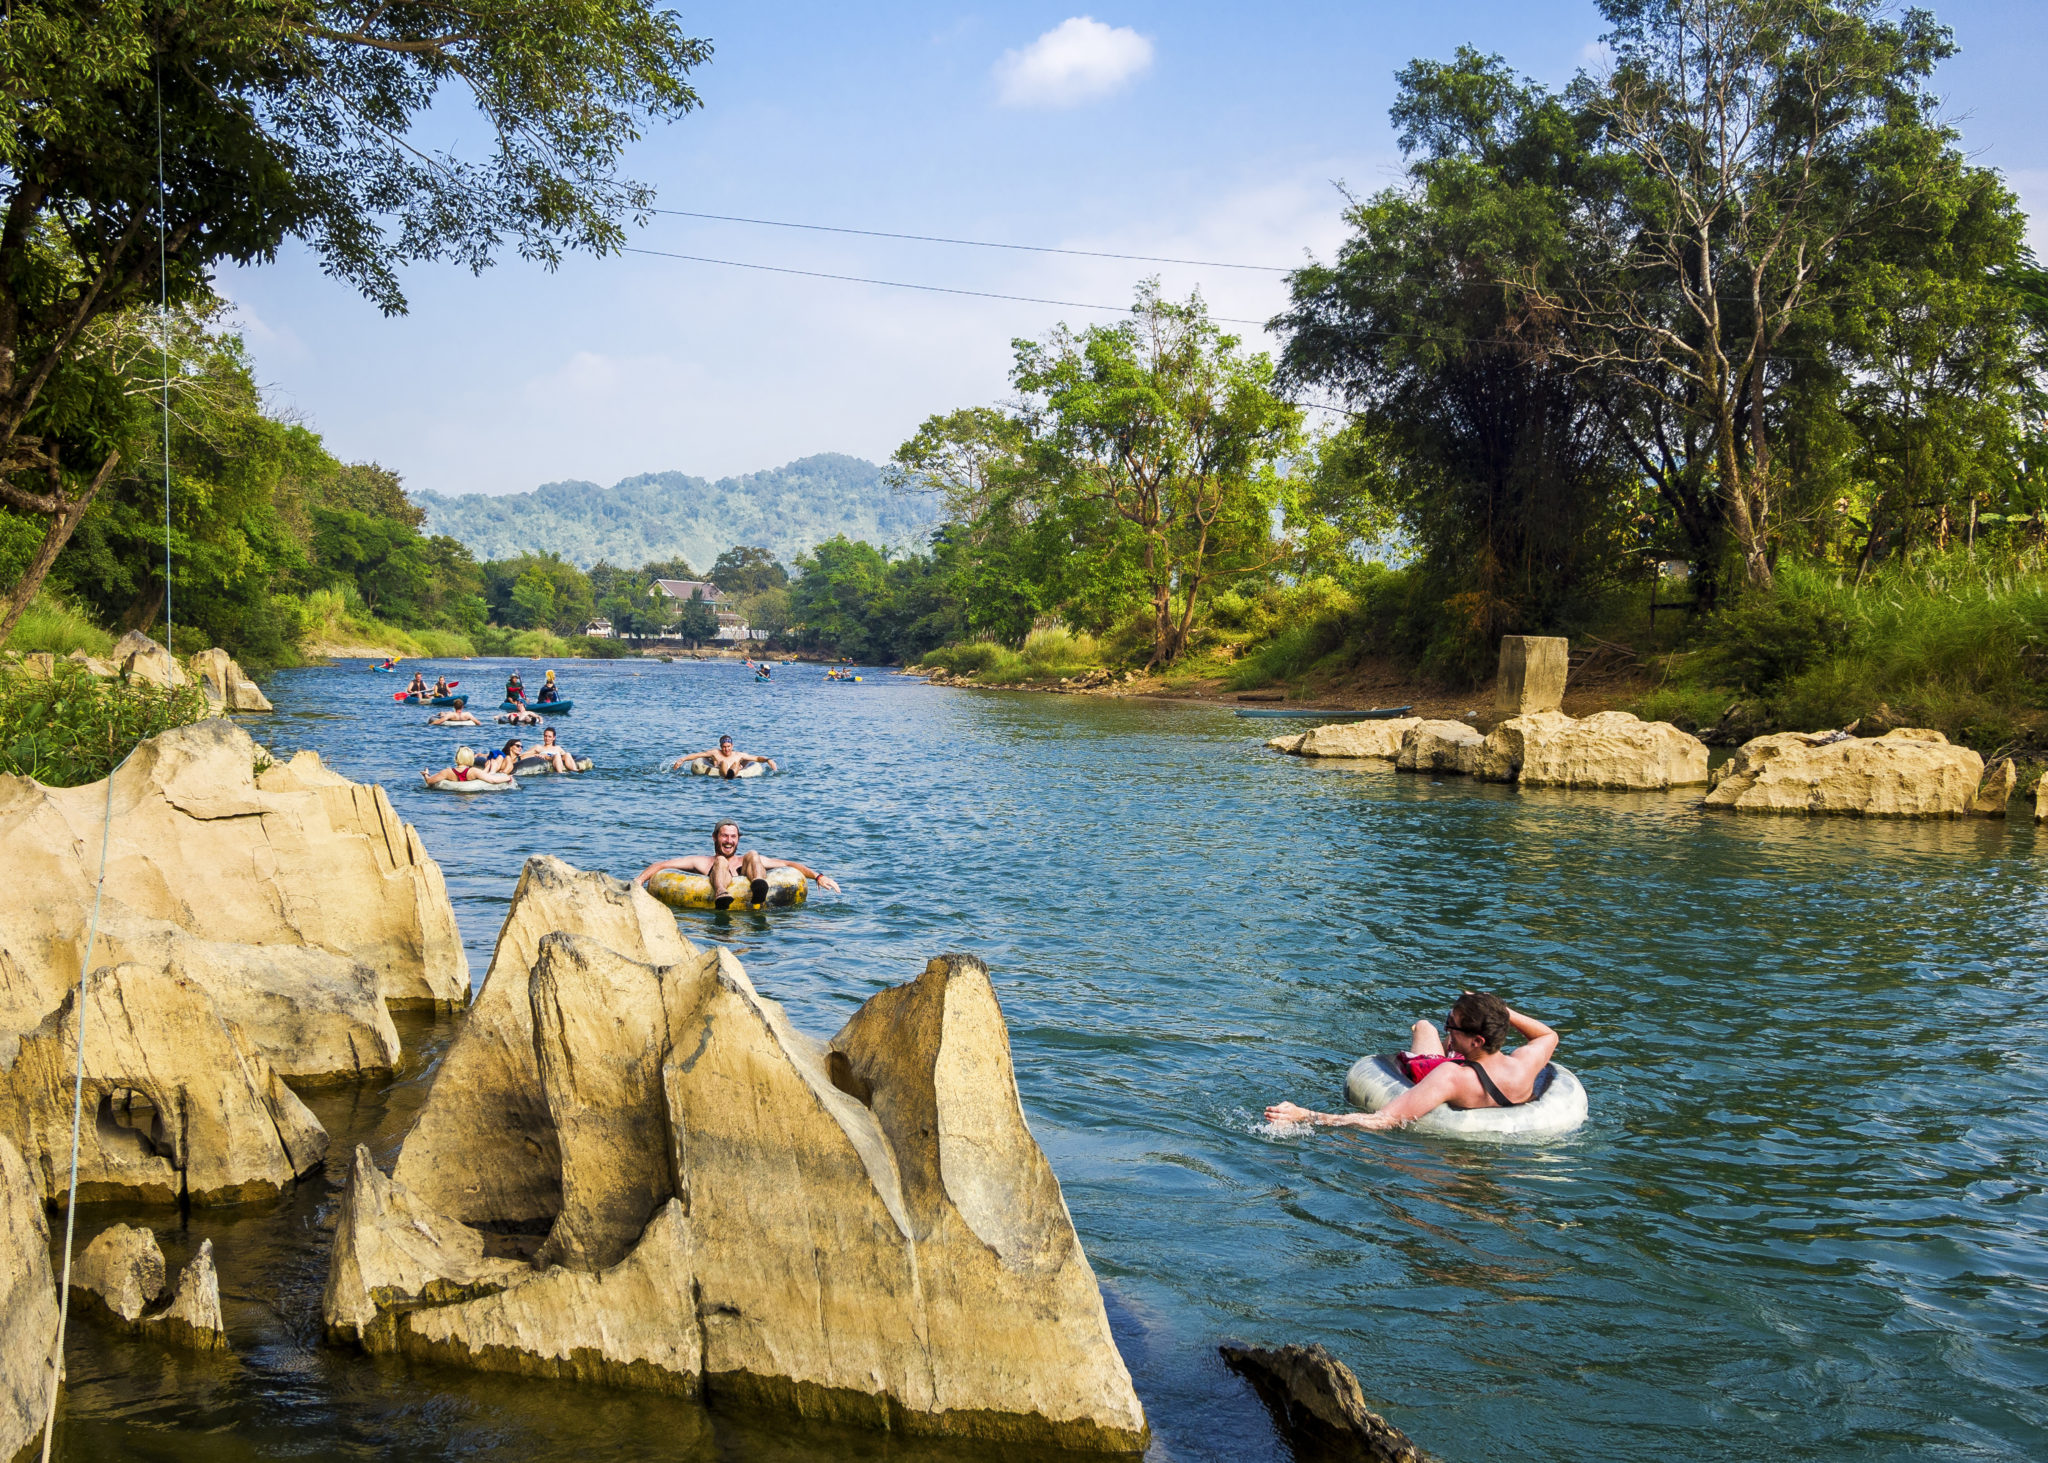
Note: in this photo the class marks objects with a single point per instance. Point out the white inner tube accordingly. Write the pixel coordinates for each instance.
(475, 784)
(1558, 1106)
(701, 766)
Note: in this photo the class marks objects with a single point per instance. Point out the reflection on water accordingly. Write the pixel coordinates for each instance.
(1806, 1218)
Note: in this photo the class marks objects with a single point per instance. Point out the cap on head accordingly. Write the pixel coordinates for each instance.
(724, 824)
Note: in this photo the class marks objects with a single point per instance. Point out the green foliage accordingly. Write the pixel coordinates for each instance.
(698, 621)
(747, 570)
(851, 599)
(49, 624)
(538, 591)
(73, 727)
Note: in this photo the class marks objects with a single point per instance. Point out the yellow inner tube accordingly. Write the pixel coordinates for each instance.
(786, 889)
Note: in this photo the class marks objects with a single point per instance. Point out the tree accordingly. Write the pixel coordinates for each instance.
(698, 621)
(277, 120)
(533, 598)
(1163, 422)
(745, 570)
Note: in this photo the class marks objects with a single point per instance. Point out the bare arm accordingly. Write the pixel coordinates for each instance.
(695, 863)
(1539, 1041)
(823, 881)
(1442, 1085)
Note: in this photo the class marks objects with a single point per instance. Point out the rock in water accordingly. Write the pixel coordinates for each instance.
(1291, 743)
(1381, 739)
(123, 1269)
(1318, 1406)
(1532, 673)
(28, 1306)
(1910, 773)
(1610, 749)
(219, 1125)
(192, 1319)
(865, 1231)
(2001, 781)
(483, 1149)
(1440, 746)
(391, 1251)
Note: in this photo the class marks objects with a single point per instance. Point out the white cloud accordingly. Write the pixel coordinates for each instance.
(1078, 60)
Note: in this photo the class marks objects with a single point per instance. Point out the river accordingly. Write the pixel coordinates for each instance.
(1806, 1219)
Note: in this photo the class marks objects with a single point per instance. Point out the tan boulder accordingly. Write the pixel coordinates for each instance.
(297, 857)
(1380, 739)
(1610, 749)
(106, 670)
(483, 1149)
(392, 1252)
(2041, 800)
(224, 683)
(142, 659)
(1910, 773)
(178, 1103)
(1291, 743)
(28, 1306)
(193, 1319)
(122, 1269)
(1532, 674)
(1440, 746)
(2001, 781)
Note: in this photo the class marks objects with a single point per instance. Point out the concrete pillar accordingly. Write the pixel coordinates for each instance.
(1532, 672)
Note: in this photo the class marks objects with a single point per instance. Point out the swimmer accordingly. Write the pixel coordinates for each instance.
(726, 862)
(557, 756)
(520, 718)
(464, 770)
(454, 716)
(1474, 1072)
(723, 759)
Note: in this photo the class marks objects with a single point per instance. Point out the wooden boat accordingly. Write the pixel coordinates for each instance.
(1377, 713)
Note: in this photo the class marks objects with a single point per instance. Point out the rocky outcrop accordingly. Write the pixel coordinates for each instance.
(298, 857)
(864, 1230)
(28, 1306)
(1289, 743)
(193, 1319)
(1318, 1406)
(142, 659)
(1381, 739)
(1532, 674)
(226, 687)
(1908, 773)
(1440, 746)
(483, 1149)
(178, 1102)
(392, 1253)
(2001, 781)
(122, 1269)
(94, 665)
(1611, 749)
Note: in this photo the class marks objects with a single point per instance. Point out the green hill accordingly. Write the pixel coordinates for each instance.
(663, 514)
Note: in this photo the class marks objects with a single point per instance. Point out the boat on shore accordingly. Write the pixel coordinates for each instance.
(1377, 713)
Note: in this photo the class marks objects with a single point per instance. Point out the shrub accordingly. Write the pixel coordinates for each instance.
(74, 727)
(50, 624)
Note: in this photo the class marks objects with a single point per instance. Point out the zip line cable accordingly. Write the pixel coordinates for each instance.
(774, 223)
(163, 283)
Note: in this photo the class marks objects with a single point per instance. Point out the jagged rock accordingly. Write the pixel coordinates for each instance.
(106, 670)
(1357, 738)
(1910, 773)
(1318, 1406)
(221, 1126)
(2001, 780)
(392, 1252)
(142, 659)
(2041, 800)
(483, 1148)
(1286, 743)
(28, 1306)
(122, 1269)
(193, 1319)
(1440, 746)
(865, 1232)
(224, 683)
(1610, 749)
(1532, 673)
(297, 857)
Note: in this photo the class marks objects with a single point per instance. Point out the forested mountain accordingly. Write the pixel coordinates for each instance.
(666, 515)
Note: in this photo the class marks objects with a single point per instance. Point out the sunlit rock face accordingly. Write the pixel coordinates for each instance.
(1610, 749)
(1908, 773)
(28, 1306)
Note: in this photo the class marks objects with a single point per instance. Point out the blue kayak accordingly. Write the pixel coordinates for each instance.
(549, 708)
(448, 701)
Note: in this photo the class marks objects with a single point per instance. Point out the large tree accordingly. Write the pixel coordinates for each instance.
(230, 128)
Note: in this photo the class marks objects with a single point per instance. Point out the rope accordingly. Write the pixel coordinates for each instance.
(163, 283)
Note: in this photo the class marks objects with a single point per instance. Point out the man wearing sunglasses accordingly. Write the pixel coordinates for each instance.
(1464, 1068)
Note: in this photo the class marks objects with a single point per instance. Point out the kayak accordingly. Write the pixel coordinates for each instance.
(448, 701)
(1378, 713)
(549, 708)
(1558, 1106)
(786, 889)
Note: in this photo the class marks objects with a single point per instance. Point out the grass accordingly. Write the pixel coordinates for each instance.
(1048, 653)
(337, 617)
(49, 624)
(73, 727)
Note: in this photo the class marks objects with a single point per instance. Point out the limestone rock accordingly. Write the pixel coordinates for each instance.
(123, 1269)
(193, 1318)
(2041, 800)
(1532, 673)
(1318, 1406)
(142, 659)
(1910, 773)
(1440, 746)
(2001, 780)
(299, 857)
(224, 683)
(28, 1306)
(1287, 743)
(39, 664)
(391, 1253)
(483, 1148)
(106, 670)
(217, 1125)
(1358, 738)
(1610, 749)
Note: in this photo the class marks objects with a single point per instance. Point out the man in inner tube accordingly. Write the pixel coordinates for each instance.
(727, 862)
(724, 760)
(1473, 1072)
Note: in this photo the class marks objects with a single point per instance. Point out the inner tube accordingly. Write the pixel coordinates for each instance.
(541, 767)
(786, 889)
(701, 766)
(1557, 1107)
(473, 785)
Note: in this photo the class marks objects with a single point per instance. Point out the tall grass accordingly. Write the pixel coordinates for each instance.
(337, 617)
(52, 625)
(73, 727)
(1048, 653)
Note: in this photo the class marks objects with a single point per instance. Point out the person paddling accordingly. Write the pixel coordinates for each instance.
(726, 863)
(724, 760)
(418, 686)
(515, 689)
(548, 693)
(1473, 1072)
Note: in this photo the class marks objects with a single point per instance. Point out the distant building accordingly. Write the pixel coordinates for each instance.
(732, 626)
(600, 630)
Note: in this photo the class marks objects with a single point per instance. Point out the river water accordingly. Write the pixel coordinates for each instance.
(1806, 1219)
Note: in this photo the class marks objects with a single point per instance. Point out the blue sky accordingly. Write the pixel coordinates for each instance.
(1199, 131)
